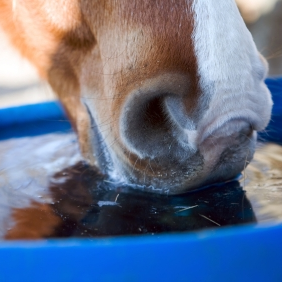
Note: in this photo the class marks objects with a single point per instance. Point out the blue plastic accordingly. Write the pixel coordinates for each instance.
(234, 254)
(247, 253)
(273, 132)
(32, 120)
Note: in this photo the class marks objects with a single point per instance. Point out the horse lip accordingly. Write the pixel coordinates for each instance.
(217, 124)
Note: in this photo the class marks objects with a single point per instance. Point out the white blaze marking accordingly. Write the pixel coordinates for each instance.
(230, 69)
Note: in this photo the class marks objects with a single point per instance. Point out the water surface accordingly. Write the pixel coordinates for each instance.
(47, 191)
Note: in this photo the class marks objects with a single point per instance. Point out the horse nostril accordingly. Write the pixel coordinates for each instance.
(145, 127)
(150, 120)
(154, 117)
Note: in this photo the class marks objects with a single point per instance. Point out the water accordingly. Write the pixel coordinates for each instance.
(47, 191)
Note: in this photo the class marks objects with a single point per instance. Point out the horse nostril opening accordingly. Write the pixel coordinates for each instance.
(145, 127)
(149, 124)
(154, 115)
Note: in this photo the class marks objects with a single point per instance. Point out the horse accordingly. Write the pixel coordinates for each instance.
(164, 95)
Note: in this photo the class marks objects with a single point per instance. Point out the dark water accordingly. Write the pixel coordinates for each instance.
(43, 197)
(99, 208)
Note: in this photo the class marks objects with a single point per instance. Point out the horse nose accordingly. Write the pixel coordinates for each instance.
(157, 116)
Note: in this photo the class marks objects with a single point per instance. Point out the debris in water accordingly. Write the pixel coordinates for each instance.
(116, 198)
(106, 203)
(209, 219)
(188, 208)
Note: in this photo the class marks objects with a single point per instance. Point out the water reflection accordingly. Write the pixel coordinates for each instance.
(99, 209)
(81, 202)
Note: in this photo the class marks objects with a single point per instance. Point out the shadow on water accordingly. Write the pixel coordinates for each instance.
(96, 208)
